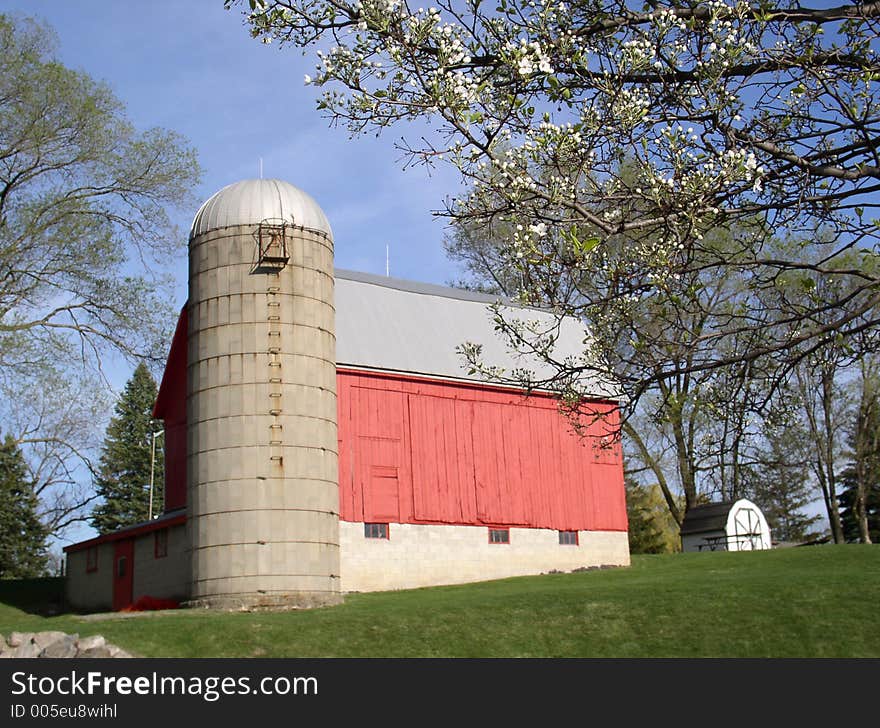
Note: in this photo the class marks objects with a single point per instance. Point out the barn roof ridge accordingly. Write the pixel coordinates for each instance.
(427, 289)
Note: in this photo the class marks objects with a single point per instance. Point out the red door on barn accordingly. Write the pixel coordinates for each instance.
(381, 495)
(123, 573)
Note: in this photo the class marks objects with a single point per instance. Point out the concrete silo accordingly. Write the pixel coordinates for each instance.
(262, 475)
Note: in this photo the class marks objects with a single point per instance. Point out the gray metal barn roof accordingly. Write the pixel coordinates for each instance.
(395, 325)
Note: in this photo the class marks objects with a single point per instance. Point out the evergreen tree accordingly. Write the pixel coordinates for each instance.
(846, 499)
(862, 474)
(124, 474)
(781, 502)
(781, 486)
(645, 535)
(23, 550)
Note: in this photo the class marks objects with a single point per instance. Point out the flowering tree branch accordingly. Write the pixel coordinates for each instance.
(607, 139)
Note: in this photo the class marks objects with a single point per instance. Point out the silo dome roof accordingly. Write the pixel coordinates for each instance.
(252, 201)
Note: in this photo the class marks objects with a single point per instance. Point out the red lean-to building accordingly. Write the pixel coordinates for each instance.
(442, 477)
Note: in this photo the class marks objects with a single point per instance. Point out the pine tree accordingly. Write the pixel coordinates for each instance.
(124, 474)
(645, 535)
(781, 486)
(848, 482)
(862, 472)
(23, 549)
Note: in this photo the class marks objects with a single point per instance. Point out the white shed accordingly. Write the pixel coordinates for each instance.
(738, 526)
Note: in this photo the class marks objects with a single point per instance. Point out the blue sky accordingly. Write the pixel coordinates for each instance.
(192, 67)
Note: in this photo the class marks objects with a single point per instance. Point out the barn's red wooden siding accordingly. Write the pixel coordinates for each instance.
(413, 450)
(421, 451)
(171, 408)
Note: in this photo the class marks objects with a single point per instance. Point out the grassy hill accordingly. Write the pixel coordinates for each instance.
(806, 602)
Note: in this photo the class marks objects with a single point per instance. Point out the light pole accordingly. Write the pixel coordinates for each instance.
(154, 435)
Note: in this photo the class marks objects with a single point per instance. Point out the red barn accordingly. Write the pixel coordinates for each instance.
(442, 478)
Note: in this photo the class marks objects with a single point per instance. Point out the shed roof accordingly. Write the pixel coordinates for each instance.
(176, 517)
(395, 325)
(705, 518)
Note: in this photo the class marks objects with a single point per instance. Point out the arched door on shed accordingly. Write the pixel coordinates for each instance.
(747, 529)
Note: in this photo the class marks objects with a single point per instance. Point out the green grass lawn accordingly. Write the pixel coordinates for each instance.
(818, 601)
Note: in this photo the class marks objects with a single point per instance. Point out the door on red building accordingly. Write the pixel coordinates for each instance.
(381, 495)
(123, 573)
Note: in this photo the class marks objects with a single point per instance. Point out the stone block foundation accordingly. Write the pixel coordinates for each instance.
(430, 555)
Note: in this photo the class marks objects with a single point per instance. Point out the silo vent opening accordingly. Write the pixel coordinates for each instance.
(272, 251)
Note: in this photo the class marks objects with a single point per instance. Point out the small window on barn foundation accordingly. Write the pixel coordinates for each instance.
(376, 530)
(499, 535)
(568, 538)
(92, 558)
(160, 543)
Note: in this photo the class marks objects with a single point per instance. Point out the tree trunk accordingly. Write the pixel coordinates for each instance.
(818, 395)
(683, 457)
(827, 381)
(656, 468)
(867, 443)
(861, 514)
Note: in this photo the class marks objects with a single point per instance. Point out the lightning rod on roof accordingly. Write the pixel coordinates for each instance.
(261, 168)
(387, 262)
